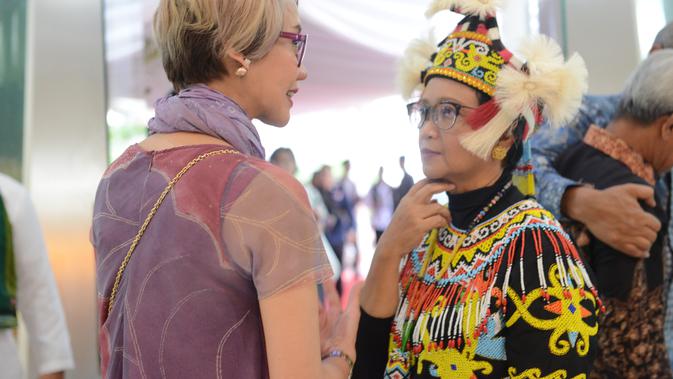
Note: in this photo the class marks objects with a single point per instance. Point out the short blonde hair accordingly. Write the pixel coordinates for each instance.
(194, 35)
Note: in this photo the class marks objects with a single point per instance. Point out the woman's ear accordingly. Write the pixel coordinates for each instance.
(499, 152)
(237, 63)
(238, 58)
(506, 141)
(666, 128)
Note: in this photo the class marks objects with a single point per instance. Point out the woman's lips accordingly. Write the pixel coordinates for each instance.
(427, 153)
(291, 94)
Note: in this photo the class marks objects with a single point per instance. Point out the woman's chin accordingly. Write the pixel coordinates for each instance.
(278, 121)
(433, 173)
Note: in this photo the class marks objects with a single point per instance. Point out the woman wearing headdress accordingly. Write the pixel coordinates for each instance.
(491, 287)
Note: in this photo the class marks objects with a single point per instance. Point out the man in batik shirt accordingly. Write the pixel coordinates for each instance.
(612, 215)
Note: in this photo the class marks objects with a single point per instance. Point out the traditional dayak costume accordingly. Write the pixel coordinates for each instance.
(502, 291)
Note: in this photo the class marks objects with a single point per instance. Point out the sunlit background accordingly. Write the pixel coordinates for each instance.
(86, 73)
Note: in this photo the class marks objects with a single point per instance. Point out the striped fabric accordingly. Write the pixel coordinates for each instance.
(7, 272)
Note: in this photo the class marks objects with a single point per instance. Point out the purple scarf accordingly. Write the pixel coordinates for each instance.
(200, 109)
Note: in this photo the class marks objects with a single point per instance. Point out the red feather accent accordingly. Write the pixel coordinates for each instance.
(506, 55)
(481, 115)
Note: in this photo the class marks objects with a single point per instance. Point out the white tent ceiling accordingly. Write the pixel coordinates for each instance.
(351, 58)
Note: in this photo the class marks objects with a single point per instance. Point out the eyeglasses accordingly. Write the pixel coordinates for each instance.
(299, 42)
(442, 114)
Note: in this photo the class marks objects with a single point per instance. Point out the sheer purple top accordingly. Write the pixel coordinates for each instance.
(234, 230)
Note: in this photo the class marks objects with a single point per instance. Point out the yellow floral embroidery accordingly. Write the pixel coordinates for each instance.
(570, 320)
(536, 373)
(452, 363)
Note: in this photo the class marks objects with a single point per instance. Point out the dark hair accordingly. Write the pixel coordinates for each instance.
(275, 156)
(482, 97)
(516, 151)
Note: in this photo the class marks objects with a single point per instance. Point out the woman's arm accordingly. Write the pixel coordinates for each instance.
(415, 216)
(291, 330)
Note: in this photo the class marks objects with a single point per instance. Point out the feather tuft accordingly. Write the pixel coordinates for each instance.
(439, 5)
(481, 8)
(416, 58)
(558, 85)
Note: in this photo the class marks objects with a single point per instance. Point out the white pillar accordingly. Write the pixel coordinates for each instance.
(65, 152)
(605, 33)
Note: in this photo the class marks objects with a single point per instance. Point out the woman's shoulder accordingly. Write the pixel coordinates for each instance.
(275, 180)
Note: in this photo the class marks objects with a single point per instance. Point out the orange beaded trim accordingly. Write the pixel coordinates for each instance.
(472, 35)
(463, 77)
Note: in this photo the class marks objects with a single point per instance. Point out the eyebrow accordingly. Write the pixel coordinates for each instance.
(451, 99)
(440, 100)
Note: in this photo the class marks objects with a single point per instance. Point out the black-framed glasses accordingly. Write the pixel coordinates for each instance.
(299, 42)
(442, 114)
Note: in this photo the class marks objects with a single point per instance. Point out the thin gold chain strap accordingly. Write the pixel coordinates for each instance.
(171, 184)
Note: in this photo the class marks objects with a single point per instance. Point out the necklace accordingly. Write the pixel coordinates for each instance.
(488, 207)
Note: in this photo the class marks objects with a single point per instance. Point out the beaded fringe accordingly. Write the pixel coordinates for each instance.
(428, 302)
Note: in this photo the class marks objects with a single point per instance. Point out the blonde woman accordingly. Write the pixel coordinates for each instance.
(207, 256)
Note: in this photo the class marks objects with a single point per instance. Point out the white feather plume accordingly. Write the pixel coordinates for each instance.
(557, 84)
(540, 50)
(440, 5)
(482, 8)
(416, 58)
(562, 106)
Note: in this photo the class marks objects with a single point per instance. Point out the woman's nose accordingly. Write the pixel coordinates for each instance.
(428, 129)
(302, 74)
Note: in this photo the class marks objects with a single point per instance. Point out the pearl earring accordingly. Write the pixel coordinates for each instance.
(243, 70)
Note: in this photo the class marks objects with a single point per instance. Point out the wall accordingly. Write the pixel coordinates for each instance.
(604, 33)
(12, 73)
(65, 151)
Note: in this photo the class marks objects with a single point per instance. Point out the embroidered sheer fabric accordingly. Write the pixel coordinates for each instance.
(234, 230)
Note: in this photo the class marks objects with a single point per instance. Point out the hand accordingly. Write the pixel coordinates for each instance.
(615, 217)
(338, 329)
(416, 214)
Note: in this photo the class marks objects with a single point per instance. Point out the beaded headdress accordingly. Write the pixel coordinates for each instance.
(544, 86)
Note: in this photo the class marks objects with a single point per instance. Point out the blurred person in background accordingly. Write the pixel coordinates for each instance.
(208, 256)
(28, 290)
(405, 185)
(380, 202)
(284, 158)
(337, 218)
(346, 188)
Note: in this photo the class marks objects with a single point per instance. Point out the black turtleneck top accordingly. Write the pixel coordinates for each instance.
(466, 206)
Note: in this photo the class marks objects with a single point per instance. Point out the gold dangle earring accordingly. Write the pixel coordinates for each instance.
(499, 153)
(243, 70)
